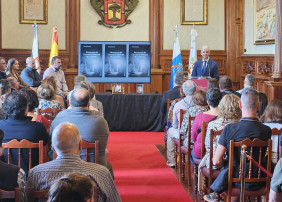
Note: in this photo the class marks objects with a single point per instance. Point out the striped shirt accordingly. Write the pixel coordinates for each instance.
(44, 175)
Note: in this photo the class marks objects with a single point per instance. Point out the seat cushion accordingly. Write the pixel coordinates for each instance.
(184, 150)
(176, 141)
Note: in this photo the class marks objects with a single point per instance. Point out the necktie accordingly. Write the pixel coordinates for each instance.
(204, 66)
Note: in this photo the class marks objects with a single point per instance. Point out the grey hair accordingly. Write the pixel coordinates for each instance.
(250, 79)
(249, 99)
(189, 87)
(79, 78)
(178, 78)
(205, 47)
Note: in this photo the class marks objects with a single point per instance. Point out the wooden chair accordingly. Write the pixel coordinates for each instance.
(33, 195)
(203, 151)
(178, 142)
(187, 151)
(24, 144)
(257, 149)
(87, 145)
(11, 194)
(276, 134)
(209, 173)
(49, 113)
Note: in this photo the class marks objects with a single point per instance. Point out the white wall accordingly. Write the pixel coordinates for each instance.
(20, 36)
(138, 30)
(212, 34)
(249, 45)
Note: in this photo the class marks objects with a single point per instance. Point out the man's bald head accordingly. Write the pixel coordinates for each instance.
(79, 98)
(66, 139)
(30, 62)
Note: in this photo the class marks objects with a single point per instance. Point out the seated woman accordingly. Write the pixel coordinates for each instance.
(74, 187)
(33, 102)
(11, 71)
(51, 81)
(272, 117)
(213, 98)
(46, 94)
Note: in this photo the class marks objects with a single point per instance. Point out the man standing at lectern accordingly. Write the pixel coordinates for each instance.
(205, 67)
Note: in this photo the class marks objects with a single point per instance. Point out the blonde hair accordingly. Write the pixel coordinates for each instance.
(229, 108)
(51, 81)
(46, 91)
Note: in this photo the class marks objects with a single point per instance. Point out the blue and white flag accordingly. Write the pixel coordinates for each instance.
(193, 52)
(176, 65)
(35, 52)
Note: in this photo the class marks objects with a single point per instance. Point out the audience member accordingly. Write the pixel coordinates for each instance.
(3, 66)
(189, 88)
(5, 89)
(212, 83)
(74, 187)
(55, 71)
(58, 96)
(172, 93)
(201, 105)
(225, 84)
(66, 142)
(263, 103)
(29, 74)
(93, 102)
(11, 176)
(14, 83)
(213, 98)
(18, 126)
(46, 94)
(11, 71)
(272, 117)
(92, 127)
(33, 102)
(275, 193)
(249, 82)
(248, 127)
(79, 78)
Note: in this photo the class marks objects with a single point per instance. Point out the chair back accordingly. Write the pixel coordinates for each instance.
(276, 135)
(87, 145)
(11, 194)
(257, 149)
(203, 137)
(181, 115)
(33, 195)
(49, 113)
(24, 144)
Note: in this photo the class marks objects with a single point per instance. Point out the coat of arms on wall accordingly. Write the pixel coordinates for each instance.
(114, 12)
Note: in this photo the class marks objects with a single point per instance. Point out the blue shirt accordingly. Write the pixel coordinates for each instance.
(31, 77)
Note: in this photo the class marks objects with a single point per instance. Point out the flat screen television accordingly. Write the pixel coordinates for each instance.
(115, 62)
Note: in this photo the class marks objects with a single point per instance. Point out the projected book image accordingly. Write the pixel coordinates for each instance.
(139, 61)
(91, 60)
(115, 61)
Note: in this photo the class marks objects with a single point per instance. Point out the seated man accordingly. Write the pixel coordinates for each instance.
(55, 71)
(11, 176)
(92, 126)
(189, 87)
(248, 127)
(249, 82)
(66, 142)
(225, 84)
(30, 74)
(19, 126)
(3, 66)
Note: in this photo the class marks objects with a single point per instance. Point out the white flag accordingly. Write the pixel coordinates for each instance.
(35, 52)
(193, 52)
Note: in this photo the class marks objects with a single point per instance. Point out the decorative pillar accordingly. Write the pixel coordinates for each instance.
(274, 86)
(155, 33)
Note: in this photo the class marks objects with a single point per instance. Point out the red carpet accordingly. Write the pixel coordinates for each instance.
(140, 170)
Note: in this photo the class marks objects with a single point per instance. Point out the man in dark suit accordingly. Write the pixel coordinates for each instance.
(172, 93)
(205, 67)
(225, 84)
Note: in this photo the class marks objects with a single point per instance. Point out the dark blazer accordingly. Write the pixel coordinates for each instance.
(31, 77)
(170, 94)
(230, 91)
(8, 176)
(211, 69)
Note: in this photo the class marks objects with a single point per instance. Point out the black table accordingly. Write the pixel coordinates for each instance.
(132, 112)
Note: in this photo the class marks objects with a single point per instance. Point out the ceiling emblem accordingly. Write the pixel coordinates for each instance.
(114, 12)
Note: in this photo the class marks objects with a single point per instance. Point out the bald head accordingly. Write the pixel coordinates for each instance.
(30, 62)
(66, 139)
(79, 98)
